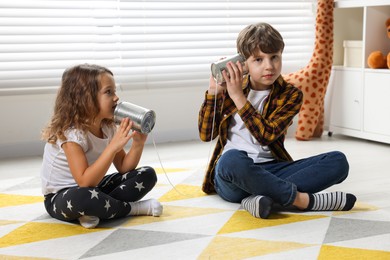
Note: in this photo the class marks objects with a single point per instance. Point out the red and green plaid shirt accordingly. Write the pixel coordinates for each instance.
(269, 127)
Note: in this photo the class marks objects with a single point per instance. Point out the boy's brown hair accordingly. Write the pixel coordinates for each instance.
(260, 36)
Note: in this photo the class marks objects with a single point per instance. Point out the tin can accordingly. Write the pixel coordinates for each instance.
(143, 119)
(218, 66)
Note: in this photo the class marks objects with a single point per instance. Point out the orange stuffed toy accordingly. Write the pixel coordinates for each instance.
(314, 78)
(377, 60)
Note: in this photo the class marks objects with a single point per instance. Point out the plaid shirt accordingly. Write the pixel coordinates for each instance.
(269, 128)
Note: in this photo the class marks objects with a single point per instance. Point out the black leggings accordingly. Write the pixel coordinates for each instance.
(106, 201)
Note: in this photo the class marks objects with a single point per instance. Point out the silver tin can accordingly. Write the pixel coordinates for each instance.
(218, 66)
(143, 119)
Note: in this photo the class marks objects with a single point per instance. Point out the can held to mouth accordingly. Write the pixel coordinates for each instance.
(143, 119)
(219, 66)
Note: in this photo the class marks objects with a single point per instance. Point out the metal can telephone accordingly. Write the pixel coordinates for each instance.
(143, 119)
(219, 66)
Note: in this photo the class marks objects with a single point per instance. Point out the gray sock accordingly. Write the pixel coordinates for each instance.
(257, 205)
(331, 201)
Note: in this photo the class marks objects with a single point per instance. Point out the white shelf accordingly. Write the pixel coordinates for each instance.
(359, 102)
(359, 3)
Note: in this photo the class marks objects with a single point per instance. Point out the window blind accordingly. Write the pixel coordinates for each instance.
(147, 44)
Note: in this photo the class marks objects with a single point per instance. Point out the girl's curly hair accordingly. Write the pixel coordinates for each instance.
(76, 104)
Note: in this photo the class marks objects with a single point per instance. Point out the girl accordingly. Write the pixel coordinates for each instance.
(82, 143)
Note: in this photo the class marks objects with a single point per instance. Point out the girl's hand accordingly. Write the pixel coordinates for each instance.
(139, 137)
(123, 161)
(122, 135)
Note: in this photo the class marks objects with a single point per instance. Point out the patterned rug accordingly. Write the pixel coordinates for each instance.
(193, 226)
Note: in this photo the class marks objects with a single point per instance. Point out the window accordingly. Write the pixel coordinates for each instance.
(147, 44)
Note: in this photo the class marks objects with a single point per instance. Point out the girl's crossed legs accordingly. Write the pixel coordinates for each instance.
(117, 195)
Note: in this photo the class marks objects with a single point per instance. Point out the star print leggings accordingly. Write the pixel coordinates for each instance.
(106, 201)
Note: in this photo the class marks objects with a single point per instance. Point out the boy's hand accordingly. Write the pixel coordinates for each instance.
(234, 77)
(215, 88)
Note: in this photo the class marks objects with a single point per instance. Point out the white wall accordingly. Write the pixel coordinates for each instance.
(24, 116)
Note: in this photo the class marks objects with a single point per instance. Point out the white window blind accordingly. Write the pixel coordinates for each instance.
(147, 44)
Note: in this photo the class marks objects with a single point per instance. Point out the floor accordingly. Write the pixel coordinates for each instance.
(196, 226)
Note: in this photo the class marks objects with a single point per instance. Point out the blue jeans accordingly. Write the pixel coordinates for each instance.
(237, 176)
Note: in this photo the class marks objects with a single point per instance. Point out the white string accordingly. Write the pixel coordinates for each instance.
(212, 125)
(162, 167)
(211, 139)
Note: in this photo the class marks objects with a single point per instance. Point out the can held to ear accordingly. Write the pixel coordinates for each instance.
(143, 119)
(219, 66)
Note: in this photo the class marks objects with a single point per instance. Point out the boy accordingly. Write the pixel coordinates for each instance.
(252, 113)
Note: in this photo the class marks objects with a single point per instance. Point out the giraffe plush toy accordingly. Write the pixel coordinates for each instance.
(314, 78)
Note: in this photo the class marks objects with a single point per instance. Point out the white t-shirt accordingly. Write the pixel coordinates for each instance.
(55, 172)
(239, 136)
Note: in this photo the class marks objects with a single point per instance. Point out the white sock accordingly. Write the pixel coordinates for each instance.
(150, 207)
(257, 205)
(89, 221)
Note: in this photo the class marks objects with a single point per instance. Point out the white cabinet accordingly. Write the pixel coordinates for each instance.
(377, 103)
(346, 100)
(360, 101)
